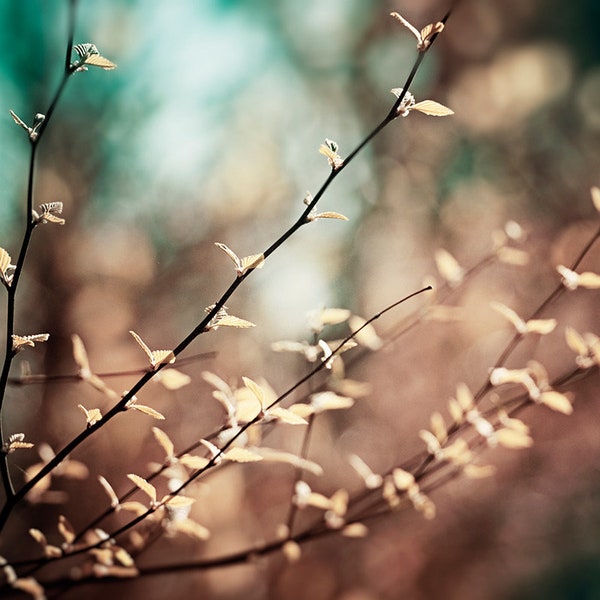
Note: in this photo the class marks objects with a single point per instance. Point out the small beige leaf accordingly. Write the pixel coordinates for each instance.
(271, 455)
(403, 480)
(241, 455)
(510, 315)
(409, 26)
(80, 355)
(512, 256)
(254, 261)
(541, 326)
(330, 215)
(147, 411)
(96, 60)
(479, 471)
(231, 321)
(135, 507)
(292, 551)
(232, 255)
(179, 501)
(556, 401)
(286, 416)
(372, 480)
(366, 336)
(38, 536)
(146, 487)
(575, 341)
(434, 109)
(256, 390)
(590, 281)
(66, 529)
(142, 345)
(355, 530)
(514, 439)
(464, 397)
(114, 500)
(192, 529)
(172, 379)
(448, 267)
(92, 416)
(163, 439)
(595, 191)
(438, 427)
(322, 401)
(158, 357)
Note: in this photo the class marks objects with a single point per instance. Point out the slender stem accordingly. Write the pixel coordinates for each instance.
(30, 224)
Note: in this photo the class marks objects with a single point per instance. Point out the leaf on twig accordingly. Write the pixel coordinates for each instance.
(165, 441)
(424, 37)
(156, 357)
(245, 264)
(432, 108)
(241, 455)
(110, 492)
(172, 379)
(5, 267)
(48, 213)
(364, 333)
(572, 280)
(92, 416)
(89, 55)
(19, 342)
(330, 150)
(146, 410)
(146, 487)
(223, 319)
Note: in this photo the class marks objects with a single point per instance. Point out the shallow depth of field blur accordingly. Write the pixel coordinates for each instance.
(209, 131)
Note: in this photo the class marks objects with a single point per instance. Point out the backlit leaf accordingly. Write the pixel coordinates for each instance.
(432, 108)
(146, 487)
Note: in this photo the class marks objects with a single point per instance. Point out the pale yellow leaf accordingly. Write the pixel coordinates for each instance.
(135, 507)
(242, 455)
(271, 455)
(158, 357)
(556, 401)
(330, 215)
(192, 529)
(142, 345)
(332, 316)
(464, 397)
(590, 281)
(254, 261)
(448, 267)
(30, 586)
(231, 321)
(479, 471)
(541, 326)
(114, 500)
(595, 191)
(4, 262)
(123, 557)
(92, 416)
(66, 529)
(435, 109)
(163, 439)
(286, 416)
(575, 341)
(355, 530)
(38, 536)
(366, 336)
(178, 501)
(322, 401)
(350, 387)
(172, 379)
(438, 427)
(512, 438)
(96, 60)
(80, 355)
(510, 315)
(292, 551)
(371, 480)
(402, 479)
(302, 410)
(147, 411)
(146, 487)
(256, 390)
(232, 255)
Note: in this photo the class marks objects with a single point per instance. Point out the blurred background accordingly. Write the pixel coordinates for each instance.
(209, 131)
